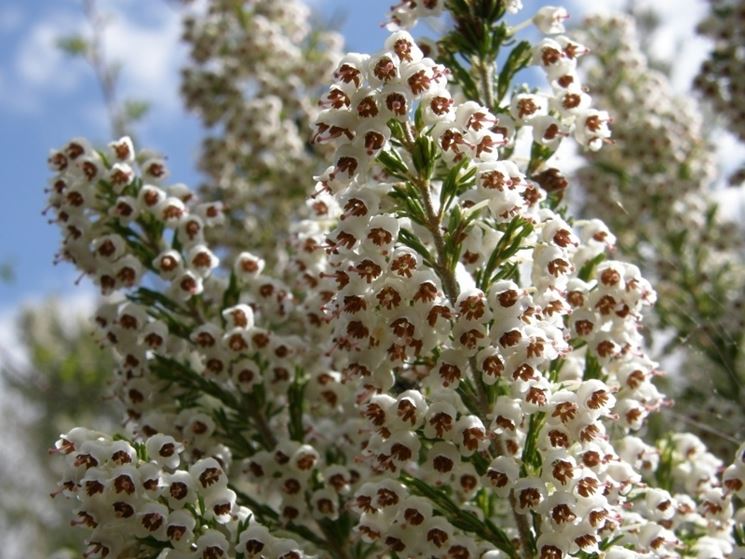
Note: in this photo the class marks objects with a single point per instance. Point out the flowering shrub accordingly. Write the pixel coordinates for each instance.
(446, 365)
(719, 79)
(664, 217)
(254, 76)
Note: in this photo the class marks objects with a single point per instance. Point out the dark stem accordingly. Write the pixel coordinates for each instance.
(262, 426)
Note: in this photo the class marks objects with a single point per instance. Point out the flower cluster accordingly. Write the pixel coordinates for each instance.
(131, 492)
(112, 233)
(550, 116)
(661, 213)
(255, 71)
(494, 352)
(446, 366)
(195, 366)
(406, 13)
(568, 109)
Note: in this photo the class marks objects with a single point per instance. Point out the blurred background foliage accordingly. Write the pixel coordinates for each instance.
(61, 383)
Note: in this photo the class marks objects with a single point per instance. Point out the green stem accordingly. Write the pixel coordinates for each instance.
(486, 74)
(447, 276)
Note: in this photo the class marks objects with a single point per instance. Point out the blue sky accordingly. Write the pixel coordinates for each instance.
(46, 98)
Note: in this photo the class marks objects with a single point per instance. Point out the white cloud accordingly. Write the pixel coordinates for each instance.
(143, 37)
(675, 38)
(731, 156)
(73, 306)
(151, 54)
(39, 62)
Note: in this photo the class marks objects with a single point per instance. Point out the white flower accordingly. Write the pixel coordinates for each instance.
(550, 19)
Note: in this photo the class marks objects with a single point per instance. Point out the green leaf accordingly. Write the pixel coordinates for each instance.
(412, 241)
(460, 75)
(408, 203)
(393, 164)
(424, 156)
(295, 399)
(518, 59)
(463, 519)
(74, 45)
(539, 154)
(664, 472)
(456, 182)
(588, 268)
(232, 294)
(510, 243)
(593, 368)
(531, 457)
(398, 131)
(135, 110)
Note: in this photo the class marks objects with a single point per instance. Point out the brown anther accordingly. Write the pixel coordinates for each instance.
(306, 462)
(511, 338)
(524, 372)
(209, 477)
(493, 366)
(347, 73)
(437, 537)
(426, 293)
(550, 56)
(587, 486)
(404, 265)
(558, 266)
(597, 399)
(395, 544)
(419, 82)
(449, 373)
(368, 270)
(367, 108)
(387, 498)
(123, 510)
(562, 514)
(536, 396)
(558, 439)
(440, 105)
(379, 236)
(175, 533)
(124, 484)
(584, 327)
(606, 348)
(470, 338)
(442, 423)
(396, 103)
(152, 521)
(472, 308)
(385, 70)
(443, 464)
(610, 276)
(565, 411)
(562, 471)
(526, 107)
(571, 101)
(529, 497)
(472, 437)
(403, 49)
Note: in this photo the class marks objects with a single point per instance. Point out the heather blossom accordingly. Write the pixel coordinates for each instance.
(447, 364)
